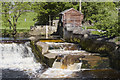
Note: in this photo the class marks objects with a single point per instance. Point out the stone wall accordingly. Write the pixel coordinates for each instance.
(41, 30)
(88, 43)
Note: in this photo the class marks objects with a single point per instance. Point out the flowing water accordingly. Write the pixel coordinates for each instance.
(18, 58)
(91, 66)
(18, 61)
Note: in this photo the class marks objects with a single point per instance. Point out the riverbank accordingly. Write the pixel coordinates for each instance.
(70, 61)
(96, 45)
(93, 66)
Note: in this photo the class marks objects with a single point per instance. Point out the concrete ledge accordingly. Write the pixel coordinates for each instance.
(44, 47)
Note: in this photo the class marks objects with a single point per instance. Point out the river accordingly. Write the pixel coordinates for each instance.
(17, 61)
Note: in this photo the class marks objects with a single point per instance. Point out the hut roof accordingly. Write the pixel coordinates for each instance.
(63, 12)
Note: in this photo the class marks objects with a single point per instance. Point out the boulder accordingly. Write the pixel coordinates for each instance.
(44, 47)
(71, 59)
(34, 38)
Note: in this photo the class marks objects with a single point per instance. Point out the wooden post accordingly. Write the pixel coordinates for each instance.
(46, 32)
(80, 6)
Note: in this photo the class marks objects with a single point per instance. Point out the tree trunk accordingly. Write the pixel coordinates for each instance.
(14, 30)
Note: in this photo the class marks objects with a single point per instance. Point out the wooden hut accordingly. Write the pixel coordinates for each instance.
(71, 17)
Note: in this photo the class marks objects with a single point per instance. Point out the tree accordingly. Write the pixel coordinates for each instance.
(103, 15)
(44, 9)
(106, 19)
(11, 11)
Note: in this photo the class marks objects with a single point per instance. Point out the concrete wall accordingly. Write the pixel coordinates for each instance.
(41, 30)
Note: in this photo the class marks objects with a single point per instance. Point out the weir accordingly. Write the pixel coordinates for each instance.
(18, 57)
(64, 50)
(18, 61)
(73, 67)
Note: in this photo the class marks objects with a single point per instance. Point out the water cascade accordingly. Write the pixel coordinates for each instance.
(18, 61)
(58, 64)
(62, 50)
(18, 57)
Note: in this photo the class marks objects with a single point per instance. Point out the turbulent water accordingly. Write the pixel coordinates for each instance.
(18, 61)
(18, 58)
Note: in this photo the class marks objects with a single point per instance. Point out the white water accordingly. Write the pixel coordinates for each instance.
(75, 52)
(18, 57)
(62, 49)
(53, 43)
(57, 73)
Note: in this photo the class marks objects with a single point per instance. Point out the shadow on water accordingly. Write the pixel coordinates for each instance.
(11, 40)
(8, 74)
(102, 74)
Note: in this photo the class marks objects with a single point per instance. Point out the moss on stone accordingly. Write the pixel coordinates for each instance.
(94, 45)
(37, 50)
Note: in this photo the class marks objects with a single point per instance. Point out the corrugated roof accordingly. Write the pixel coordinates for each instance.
(69, 10)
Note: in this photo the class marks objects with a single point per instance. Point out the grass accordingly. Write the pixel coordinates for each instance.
(95, 32)
(22, 24)
(10, 31)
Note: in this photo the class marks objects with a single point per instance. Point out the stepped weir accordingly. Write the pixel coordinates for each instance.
(17, 60)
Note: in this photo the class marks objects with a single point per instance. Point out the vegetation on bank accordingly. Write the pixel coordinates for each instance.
(93, 45)
(100, 15)
(20, 33)
(24, 22)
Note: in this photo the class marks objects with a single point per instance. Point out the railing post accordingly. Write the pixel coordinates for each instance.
(46, 32)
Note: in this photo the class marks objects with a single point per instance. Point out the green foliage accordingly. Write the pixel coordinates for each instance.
(95, 32)
(11, 11)
(44, 9)
(104, 16)
(117, 4)
(22, 24)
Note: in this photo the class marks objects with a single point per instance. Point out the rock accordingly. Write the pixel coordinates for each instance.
(32, 38)
(93, 43)
(85, 35)
(118, 42)
(115, 59)
(37, 50)
(117, 53)
(71, 59)
(44, 47)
